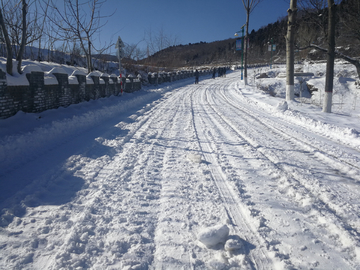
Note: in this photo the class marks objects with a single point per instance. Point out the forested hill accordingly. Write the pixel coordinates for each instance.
(311, 29)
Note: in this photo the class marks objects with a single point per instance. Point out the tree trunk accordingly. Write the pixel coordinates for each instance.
(329, 81)
(290, 50)
(9, 65)
(88, 55)
(245, 45)
(23, 37)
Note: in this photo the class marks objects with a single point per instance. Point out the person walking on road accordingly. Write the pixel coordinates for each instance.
(196, 76)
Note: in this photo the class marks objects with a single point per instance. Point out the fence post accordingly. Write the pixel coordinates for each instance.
(114, 79)
(62, 78)
(106, 79)
(6, 102)
(36, 94)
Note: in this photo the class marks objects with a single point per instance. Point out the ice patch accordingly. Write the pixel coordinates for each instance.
(214, 235)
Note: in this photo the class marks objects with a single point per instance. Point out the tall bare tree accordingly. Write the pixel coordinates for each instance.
(9, 64)
(80, 20)
(330, 51)
(351, 19)
(315, 10)
(292, 11)
(157, 41)
(20, 24)
(132, 51)
(44, 7)
(23, 35)
(329, 80)
(249, 6)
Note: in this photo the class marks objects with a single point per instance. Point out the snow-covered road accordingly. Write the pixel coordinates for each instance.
(137, 188)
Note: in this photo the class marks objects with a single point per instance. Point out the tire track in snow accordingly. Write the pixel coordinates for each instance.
(171, 235)
(189, 198)
(251, 174)
(249, 137)
(174, 237)
(331, 153)
(240, 220)
(344, 174)
(146, 164)
(128, 225)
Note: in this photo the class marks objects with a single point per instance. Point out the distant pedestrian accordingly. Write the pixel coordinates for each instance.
(196, 76)
(214, 73)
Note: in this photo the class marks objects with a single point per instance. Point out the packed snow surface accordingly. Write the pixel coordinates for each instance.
(182, 176)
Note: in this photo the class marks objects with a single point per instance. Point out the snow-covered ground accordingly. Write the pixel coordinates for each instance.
(185, 176)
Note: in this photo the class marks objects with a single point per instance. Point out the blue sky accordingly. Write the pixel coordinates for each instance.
(189, 21)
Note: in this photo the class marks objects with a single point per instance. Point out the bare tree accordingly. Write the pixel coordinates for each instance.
(331, 53)
(132, 51)
(14, 25)
(249, 6)
(329, 80)
(139, 54)
(44, 6)
(351, 20)
(292, 11)
(23, 35)
(21, 24)
(9, 64)
(315, 10)
(159, 41)
(81, 21)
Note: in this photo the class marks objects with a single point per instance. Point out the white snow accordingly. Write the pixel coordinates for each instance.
(57, 70)
(214, 235)
(183, 176)
(194, 157)
(282, 106)
(233, 244)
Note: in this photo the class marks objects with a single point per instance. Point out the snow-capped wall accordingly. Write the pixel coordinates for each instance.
(40, 91)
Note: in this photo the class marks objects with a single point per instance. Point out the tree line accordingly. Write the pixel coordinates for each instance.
(74, 23)
(310, 28)
(70, 26)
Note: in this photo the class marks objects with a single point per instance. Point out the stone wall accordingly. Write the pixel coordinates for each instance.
(38, 96)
